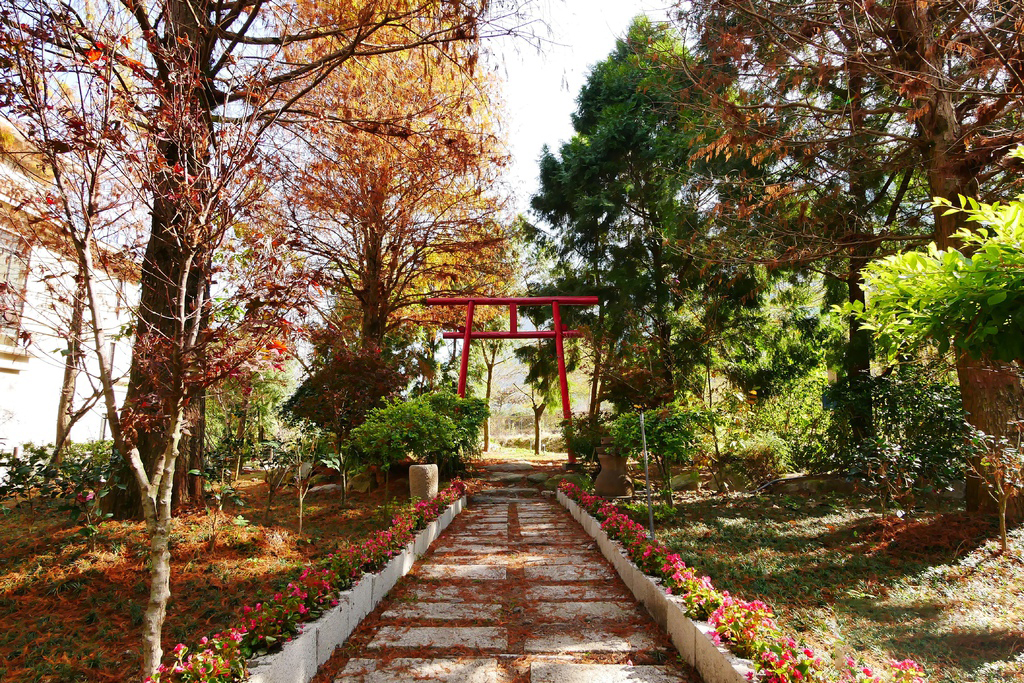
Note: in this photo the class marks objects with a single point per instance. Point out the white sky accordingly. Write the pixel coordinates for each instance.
(541, 86)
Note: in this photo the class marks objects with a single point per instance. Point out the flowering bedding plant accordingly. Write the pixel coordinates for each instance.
(274, 620)
(748, 628)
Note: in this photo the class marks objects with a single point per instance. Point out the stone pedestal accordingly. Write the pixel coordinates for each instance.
(422, 482)
(614, 478)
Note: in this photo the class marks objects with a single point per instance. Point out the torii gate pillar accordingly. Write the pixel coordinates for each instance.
(559, 333)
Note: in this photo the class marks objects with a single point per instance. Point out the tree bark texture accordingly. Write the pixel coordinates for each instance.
(537, 414)
(857, 360)
(71, 365)
(992, 395)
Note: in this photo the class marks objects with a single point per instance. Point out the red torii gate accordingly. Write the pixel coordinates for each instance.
(513, 302)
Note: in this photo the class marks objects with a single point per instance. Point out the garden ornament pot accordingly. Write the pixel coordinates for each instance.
(613, 480)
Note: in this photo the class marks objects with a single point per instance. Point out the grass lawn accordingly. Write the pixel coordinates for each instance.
(71, 610)
(506, 453)
(845, 579)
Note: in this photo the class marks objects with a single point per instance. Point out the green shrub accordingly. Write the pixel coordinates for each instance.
(439, 428)
(406, 429)
(919, 440)
(85, 467)
(467, 414)
(583, 434)
(763, 456)
(671, 437)
(796, 419)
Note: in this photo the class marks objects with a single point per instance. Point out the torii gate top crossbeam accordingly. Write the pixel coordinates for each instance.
(559, 332)
(514, 300)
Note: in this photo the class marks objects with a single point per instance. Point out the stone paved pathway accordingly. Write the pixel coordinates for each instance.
(514, 591)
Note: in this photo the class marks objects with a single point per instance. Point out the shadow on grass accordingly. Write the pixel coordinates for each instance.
(876, 584)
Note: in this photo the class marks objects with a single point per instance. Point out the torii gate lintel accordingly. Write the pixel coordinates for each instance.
(559, 333)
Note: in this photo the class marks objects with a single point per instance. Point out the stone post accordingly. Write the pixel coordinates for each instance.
(422, 482)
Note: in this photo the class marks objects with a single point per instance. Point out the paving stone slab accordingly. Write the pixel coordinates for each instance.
(490, 558)
(448, 611)
(477, 549)
(451, 594)
(464, 571)
(505, 477)
(566, 573)
(543, 592)
(528, 558)
(488, 637)
(401, 670)
(488, 521)
(565, 672)
(574, 611)
(514, 466)
(511, 498)
(587, 640)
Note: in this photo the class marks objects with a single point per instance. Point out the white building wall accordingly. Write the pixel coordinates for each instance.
(31, 374)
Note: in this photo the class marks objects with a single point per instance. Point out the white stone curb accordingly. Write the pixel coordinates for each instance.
(692, 638)
(302, 656)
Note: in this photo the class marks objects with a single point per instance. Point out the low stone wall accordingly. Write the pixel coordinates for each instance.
(302, 656)
(692, 638)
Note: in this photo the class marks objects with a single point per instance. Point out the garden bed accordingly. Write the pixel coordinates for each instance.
(844, 579)
(69, 612)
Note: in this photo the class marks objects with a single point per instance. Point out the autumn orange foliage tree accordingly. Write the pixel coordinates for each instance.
(389, 212)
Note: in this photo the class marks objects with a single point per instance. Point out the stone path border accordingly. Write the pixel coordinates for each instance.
(515, 592)
(301, 657)
(692, 638)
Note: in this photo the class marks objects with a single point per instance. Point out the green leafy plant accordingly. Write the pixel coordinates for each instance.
(671, 434)
(403, 429)
(583, 433)
(1001, 467)
(971, 299)
(919, 442)
(468, 415)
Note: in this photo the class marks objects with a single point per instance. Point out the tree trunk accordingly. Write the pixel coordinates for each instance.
(857, 360)
(372, 298)
(991, 391)
(183, 150)
(71, 365)
(158, 310)
(992, 397)
(537, 413)
(487, 397)
(157, 511)
(188, 488)
(662, 328)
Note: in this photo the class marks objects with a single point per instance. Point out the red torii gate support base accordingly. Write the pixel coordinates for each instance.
(559, 333)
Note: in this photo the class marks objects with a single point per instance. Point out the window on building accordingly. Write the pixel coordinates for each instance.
(13, 279)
